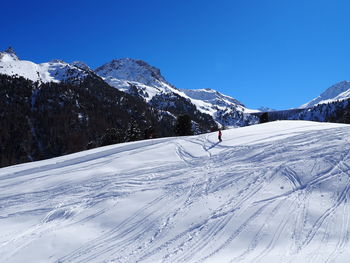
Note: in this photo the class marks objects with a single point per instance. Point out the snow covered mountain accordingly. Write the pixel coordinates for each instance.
(53, 71)
(265, 109)
(339, 91)
(139, 78)
(211, 101)
(132, 70)
(129, 74)
(331, 106)
(275, 192)
(224, 109)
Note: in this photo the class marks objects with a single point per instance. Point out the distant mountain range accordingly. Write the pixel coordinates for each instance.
(53, 71)
(135, 77)
(139, 78)
(125, 99)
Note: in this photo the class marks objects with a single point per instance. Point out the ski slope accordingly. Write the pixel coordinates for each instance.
(275, 192)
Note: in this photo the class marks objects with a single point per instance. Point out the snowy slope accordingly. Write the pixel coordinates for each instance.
(53, 71)
(339, 91)
(276, 192)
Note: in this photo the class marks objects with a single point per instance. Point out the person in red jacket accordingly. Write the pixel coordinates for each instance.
(219, 135)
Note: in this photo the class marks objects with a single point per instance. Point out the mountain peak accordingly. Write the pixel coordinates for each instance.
(53, 61)
(132, 70)
(265, 109)
(8, 55)
(81, 65)
(10, 50)
(338, 91)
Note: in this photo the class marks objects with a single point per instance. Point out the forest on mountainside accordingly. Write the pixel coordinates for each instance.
(54, 119)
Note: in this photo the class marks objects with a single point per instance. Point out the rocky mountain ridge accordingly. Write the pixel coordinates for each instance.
(139, 78)
(52, 71)
(135, 77)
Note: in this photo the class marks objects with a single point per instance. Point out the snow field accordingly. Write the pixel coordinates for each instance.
(275, 192)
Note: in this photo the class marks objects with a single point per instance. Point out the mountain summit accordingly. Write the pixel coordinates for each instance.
(8, 55)
(131, 70)
(339, 91)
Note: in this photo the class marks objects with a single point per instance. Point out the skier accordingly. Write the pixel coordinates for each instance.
(219, 135)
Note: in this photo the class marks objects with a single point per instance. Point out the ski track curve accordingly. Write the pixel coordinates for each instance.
(265, 188)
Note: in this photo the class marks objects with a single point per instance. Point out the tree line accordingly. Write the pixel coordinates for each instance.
(40, 121)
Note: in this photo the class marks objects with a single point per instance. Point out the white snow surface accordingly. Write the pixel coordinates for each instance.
(274, 192)
(339, 91)
(53, 71)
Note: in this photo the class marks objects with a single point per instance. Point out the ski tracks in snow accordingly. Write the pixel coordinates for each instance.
(217, 203)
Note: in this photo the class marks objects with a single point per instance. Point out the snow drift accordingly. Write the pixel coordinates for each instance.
(275, 192)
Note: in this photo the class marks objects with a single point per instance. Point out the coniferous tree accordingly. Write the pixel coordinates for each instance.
(150, 133)
(133, 132)
(346, 116)
(264, 117)
(183, 125)
(112, 136)
(45, 120)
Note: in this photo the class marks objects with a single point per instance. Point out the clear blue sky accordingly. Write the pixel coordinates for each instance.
(275, 53)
